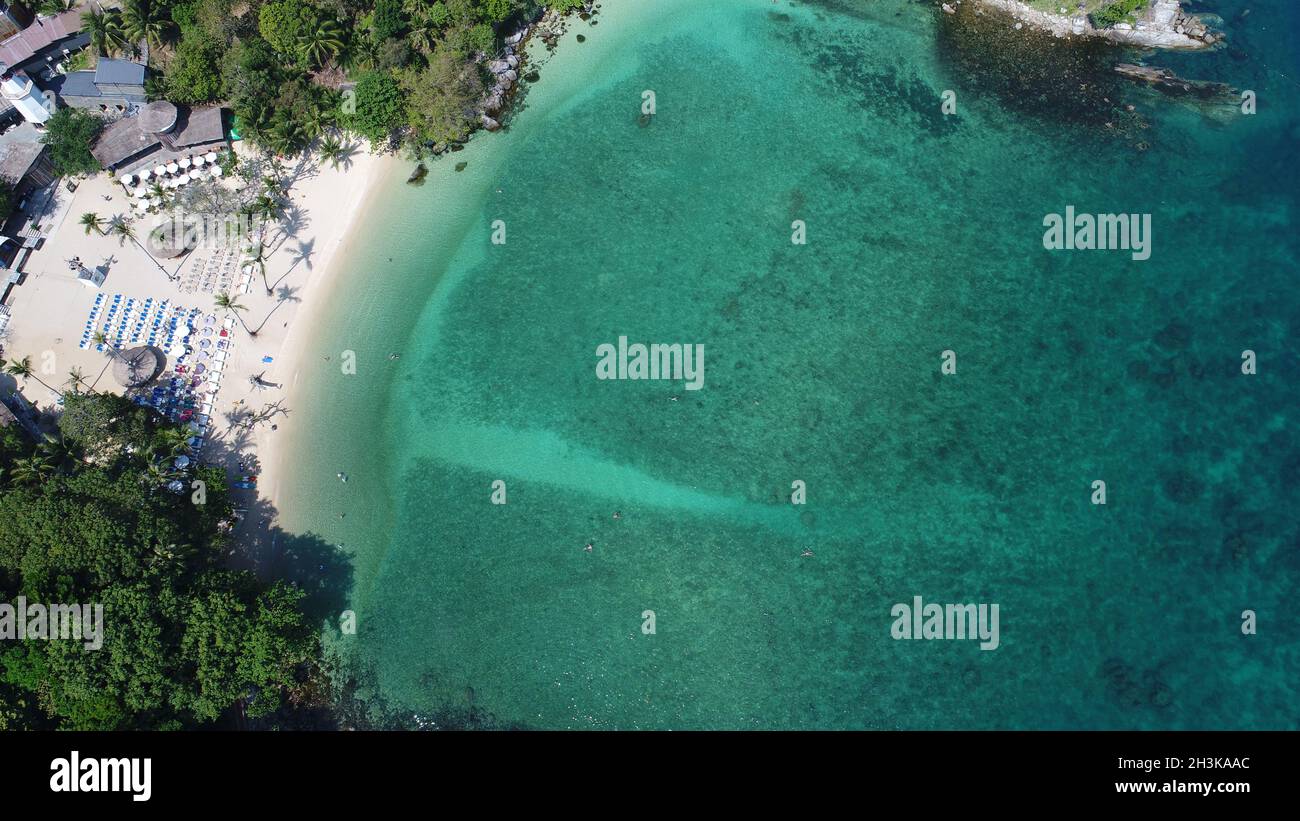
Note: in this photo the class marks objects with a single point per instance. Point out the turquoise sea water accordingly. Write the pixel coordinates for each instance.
(823, 365)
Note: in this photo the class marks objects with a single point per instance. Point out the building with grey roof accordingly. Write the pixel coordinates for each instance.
(113, 85)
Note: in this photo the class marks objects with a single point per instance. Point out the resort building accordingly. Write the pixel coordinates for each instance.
(36, 47)
(112, 86)
(13, 19)
(161, 133)
(20, 93)
(45, 36)
(25, 161)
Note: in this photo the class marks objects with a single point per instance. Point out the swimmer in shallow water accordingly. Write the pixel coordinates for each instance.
(806, 553)
(588, 548)
(618, 515)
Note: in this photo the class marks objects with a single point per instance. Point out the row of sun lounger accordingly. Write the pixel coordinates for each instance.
(131, 322)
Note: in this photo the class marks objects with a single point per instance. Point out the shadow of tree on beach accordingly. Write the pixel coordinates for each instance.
(323, 571)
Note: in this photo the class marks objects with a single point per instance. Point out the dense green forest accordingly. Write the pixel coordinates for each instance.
(285, 67)
(87, 517)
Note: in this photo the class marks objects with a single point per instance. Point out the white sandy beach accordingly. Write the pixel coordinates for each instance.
(298, 341)
(50, 308)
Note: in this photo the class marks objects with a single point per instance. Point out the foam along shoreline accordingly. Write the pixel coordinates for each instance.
(1163, 24)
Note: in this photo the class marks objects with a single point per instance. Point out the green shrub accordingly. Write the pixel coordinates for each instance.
(1121, 11)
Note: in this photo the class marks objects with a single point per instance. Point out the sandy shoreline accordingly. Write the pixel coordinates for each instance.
(274, 446)
(347, 196)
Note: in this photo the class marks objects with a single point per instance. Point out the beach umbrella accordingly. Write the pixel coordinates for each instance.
(144, 174)
(160, 171)
(172, 167)
(127, 179)
(183, 162)
(199, 160)
(205, 343)
(216, 171)
(182, 461)
(211, 156)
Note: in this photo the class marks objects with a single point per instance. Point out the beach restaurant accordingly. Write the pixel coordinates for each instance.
(160, 135)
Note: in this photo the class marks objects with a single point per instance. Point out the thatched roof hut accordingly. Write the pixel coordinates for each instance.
(137, 367)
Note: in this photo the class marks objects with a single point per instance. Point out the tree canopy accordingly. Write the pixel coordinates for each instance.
(69, 133)
(184, 637)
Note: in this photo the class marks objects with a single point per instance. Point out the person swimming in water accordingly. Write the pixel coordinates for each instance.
(806, 553)
(343, 477)
(618, 515)
(588, 548)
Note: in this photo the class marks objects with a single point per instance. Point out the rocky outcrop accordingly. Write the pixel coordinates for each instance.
(1164, 80)
(506, 67)
(1163, 24)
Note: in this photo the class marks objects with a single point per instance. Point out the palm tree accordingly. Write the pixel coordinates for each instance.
(171, 442)
(259, 259)
(31, 470)
(52, 7)
(23, 368)
(333, 151)
(119, 226)
(104, 29)
(229, 304)
(123, 229)
(92, 222)
(141, 21)
(101, 338)
(61, 452)
(423, 35)
(162, 557)
(322, 43)
(76, 379)
(287, 134)
(158, 471)
(268, 205)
